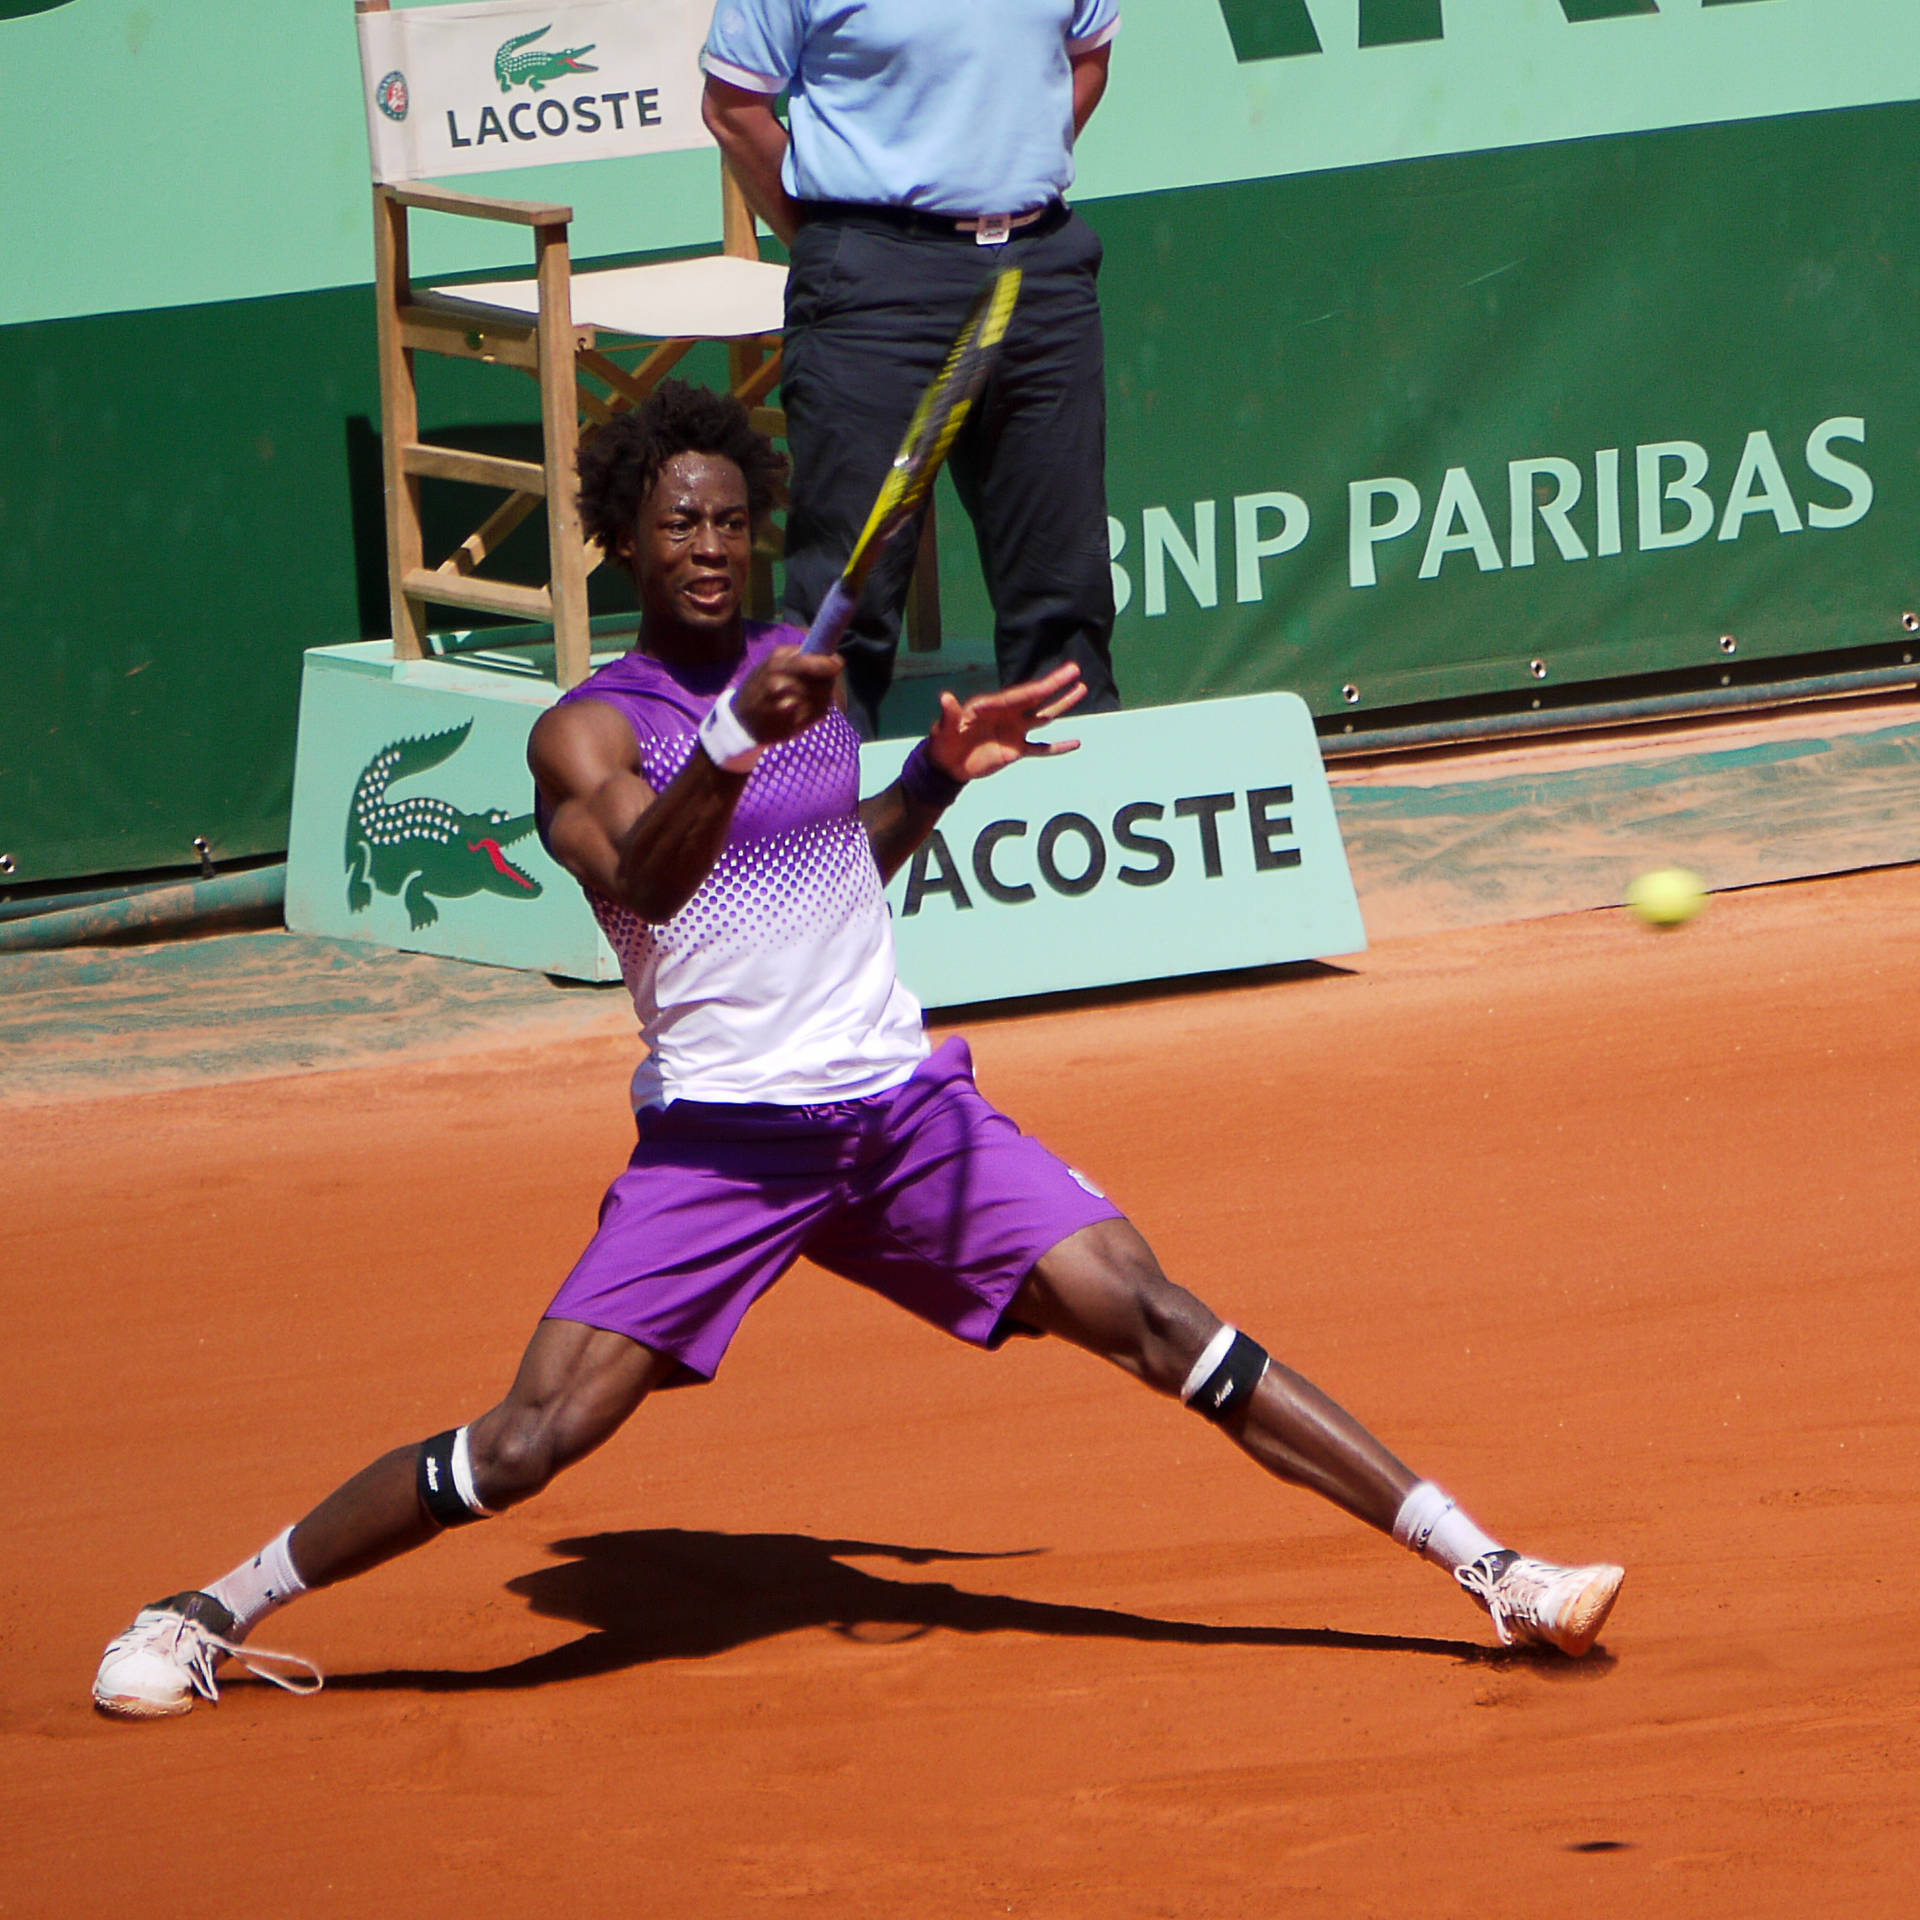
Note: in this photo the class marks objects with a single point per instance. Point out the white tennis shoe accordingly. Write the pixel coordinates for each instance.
(1535, 1603)
(170, 1652)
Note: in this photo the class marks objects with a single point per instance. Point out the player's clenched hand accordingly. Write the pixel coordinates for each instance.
(993, 730)
(786, 693)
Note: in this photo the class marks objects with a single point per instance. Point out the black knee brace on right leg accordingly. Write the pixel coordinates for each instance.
(1225, 1375)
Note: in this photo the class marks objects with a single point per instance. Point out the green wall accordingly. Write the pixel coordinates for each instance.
(1699, 287)
(176, 524)
(191, 499)
(171, 154)
(1349, 242)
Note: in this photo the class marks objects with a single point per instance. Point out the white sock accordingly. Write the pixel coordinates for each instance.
(257, 1586)
(1436, 1529)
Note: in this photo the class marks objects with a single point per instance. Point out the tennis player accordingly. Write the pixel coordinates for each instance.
(703, 789)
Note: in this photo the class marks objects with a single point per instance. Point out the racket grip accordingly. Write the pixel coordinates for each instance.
(833, 619)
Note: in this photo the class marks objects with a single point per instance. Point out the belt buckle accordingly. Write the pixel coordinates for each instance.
(993, 230)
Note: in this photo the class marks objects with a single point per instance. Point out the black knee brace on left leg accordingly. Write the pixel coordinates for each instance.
(447, 1501)
(1225, 1375)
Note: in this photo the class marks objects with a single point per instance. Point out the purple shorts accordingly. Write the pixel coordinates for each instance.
(925, 1193)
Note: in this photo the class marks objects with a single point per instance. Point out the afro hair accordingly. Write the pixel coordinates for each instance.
(619, 465)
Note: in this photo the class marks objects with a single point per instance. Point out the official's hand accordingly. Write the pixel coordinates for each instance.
(993, 729)
(786, 693)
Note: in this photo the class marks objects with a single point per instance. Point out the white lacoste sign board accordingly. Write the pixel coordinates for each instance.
(470, 89)
(1177, 840)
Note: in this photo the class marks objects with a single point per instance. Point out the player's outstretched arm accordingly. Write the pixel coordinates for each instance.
(649, 851)
(586, 764)
(969, 742)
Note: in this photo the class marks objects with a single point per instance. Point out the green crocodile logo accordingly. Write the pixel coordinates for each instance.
(514, 68)
(424, 849)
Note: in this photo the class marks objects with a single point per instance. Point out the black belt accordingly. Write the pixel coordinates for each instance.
(1031, 225)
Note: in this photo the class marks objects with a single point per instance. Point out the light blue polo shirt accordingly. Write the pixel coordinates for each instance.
(954, 106)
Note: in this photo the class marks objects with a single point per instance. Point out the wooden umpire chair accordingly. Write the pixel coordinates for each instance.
(597, 342)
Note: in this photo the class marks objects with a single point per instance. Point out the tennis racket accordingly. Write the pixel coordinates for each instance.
(936, 421)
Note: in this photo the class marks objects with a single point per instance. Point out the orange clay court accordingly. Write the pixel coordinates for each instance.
(1611, 1231)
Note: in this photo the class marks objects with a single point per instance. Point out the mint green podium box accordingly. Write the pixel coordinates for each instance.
(1177, 840)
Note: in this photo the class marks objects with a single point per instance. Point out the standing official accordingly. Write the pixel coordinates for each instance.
(931, 144)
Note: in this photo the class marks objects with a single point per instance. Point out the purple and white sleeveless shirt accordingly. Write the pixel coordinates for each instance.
(776, 981)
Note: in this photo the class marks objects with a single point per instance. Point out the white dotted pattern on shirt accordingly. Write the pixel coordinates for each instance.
(797, 865)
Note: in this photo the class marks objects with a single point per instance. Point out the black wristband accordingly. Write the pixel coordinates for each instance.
(925, 783)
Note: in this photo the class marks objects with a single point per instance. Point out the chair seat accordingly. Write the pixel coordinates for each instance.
(715, 297)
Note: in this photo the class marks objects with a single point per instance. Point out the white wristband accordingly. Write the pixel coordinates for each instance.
(727, 742)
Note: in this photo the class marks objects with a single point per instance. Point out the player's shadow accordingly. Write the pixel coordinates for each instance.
(668, 1594)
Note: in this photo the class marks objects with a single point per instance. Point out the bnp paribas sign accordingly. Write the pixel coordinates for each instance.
(1244, 89)
(467, 89)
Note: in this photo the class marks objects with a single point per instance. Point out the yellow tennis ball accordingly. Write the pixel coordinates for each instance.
(1667, 897)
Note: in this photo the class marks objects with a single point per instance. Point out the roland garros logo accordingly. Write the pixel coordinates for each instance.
(391, 95)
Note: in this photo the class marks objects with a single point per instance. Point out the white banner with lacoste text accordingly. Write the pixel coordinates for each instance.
(1178, 840)
(467, 89)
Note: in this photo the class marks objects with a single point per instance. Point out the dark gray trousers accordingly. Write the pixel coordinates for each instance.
(871, 312)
